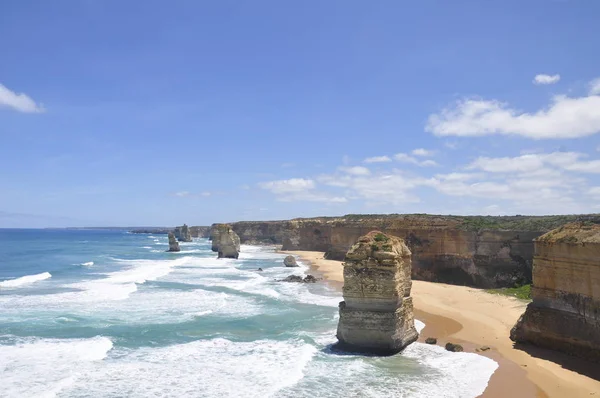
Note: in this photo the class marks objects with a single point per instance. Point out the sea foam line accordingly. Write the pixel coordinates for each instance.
(25, 280)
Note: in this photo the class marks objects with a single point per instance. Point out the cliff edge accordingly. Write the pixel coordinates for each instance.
(565, 312)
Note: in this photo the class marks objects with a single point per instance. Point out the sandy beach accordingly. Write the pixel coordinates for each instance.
(476, 318)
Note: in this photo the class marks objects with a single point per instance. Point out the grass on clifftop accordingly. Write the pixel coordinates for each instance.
(521, 292)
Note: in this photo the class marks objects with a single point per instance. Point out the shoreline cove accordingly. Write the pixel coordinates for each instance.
(475, 318)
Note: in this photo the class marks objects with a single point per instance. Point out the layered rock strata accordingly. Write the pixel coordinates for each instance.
(481, 251)
(565, 312)
(225, 241)
(376, 315)
(173, 244)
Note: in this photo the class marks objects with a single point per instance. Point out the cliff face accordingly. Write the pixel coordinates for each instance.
(477, 251)
(377, 312)
(565, 312)
(200, 232)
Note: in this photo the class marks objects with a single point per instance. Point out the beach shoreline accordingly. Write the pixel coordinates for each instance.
(475, 318)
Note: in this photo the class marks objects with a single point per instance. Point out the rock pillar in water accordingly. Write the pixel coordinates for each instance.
(183, 233)
(225, 241)
(565, 312)
(173, 244)
(376, 315)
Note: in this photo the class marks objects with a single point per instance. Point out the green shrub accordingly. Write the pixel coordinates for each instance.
(381, 238)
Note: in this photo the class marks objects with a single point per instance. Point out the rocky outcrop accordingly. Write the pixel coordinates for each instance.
(376, 315)
(290, 261)
(225, 241)
(565, 312)
(299, 279)
(183, 233)
(173, 244)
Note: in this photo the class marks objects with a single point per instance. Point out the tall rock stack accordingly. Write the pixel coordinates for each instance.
(173, 244)
(225, 241)
(565, 312)
(183, 233)
(376, 315)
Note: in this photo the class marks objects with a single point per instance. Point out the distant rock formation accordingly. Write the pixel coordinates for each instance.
(173, 244)
(183, 233)
(290, 261)
(565, 312)
(376, 315)
(225, 241)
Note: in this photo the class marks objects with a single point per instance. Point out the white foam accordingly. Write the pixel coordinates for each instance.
(205, 368)
(45, 367)
(88, 264)
(24, 280)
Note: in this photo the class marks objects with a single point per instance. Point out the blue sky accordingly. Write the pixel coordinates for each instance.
(159, 113)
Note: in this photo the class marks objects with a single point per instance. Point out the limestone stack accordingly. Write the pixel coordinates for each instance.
(565, 312)
(183, 233)
(225, 241)
(173, 244)
(376, 315)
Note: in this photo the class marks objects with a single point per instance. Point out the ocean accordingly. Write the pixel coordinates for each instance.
(99, 313)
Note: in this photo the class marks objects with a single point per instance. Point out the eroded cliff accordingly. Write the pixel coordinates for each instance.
(482, 251)
(565, 312)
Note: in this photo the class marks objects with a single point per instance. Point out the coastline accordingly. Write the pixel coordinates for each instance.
(476, 318)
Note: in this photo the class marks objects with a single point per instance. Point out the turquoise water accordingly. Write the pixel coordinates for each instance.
(87, 313)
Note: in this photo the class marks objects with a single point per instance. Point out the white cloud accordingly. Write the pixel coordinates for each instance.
(422, 152)
(570, 161)
(205, 194)
(181, 194)
(288, 186)
(299, 189)
(19, 102)
(595, 87)
(356, 170)
(403, 157)
(565, 117)
(595, 191)
(378, 159)
(546, 79)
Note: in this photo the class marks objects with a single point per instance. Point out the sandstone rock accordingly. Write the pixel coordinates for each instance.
(565, 312)
(173, 244)
(225, 241)
(183, 233)
(290, 261)
(376, 315)
(431, 340)
(454, 347)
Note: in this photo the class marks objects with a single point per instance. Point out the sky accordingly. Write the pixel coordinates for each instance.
(155, 113)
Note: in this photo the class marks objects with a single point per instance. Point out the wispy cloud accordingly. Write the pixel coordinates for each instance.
(18, 101)
(356, 170)
(423, 152)
(565, 117)
(299, 189)
(403, 157)
(378, 159)
(546, 79)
